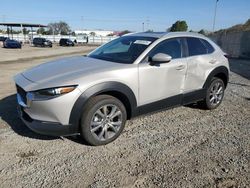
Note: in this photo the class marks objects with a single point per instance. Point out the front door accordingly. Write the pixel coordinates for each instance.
(165, 80)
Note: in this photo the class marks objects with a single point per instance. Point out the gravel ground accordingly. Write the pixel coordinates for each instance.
(182, 147)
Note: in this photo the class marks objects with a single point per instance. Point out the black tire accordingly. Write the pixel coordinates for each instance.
(206, 103)
(89, 115)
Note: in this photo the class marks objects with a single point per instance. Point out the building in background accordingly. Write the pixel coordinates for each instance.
(102, 33)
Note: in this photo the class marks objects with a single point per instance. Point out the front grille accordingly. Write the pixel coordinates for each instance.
(22, 93)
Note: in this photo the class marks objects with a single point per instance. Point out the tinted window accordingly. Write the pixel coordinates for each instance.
(171, 47)
(210, 48)
(196, 47)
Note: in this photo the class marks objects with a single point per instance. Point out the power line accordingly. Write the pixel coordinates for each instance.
(215, 13)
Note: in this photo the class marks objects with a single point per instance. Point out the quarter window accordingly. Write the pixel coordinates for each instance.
(171, 47)
(196, 47)
(210, 48)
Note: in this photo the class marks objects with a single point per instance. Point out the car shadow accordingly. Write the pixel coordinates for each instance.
(196, 105)
(77, 139)
(8, 113)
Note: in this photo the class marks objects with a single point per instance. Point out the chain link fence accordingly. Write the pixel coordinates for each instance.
(56, 38)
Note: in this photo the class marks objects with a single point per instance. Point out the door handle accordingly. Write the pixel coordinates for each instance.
(180, 67)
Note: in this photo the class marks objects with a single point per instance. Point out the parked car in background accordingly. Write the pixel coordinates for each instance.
(129, 76)
(42, 42)
(8, 43)
(66, 42)
(2, 38)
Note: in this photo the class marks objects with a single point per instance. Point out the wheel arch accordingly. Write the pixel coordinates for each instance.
(115, 89)
(220, 72)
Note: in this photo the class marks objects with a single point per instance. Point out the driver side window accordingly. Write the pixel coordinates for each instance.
(171, 47)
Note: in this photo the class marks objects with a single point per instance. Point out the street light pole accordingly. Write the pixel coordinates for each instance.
(142, 26)
(215, 13)
(82, 19)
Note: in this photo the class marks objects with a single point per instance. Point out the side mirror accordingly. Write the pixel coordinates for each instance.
(160, 58)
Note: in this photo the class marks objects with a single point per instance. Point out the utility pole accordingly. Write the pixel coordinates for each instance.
(3, 18)
(82, 20)
(215, 13)
(142, 26)
(147, 21)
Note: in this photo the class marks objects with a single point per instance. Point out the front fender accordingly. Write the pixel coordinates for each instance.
(78, 107)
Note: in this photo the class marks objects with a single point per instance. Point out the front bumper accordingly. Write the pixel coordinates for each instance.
(45, 128)
(49, 117)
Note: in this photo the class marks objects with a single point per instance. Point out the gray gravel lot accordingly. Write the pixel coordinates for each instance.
(182, 147)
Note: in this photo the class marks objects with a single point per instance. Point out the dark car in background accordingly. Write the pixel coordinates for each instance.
(66, 42)
(42, 42)
(8, 43)
(2, 38)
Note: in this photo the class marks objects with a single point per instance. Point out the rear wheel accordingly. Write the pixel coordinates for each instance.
(103, 120)
(214, 94)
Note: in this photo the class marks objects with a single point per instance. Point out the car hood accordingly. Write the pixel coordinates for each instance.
(67, 69)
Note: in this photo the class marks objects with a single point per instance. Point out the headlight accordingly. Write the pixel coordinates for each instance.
(45, 94)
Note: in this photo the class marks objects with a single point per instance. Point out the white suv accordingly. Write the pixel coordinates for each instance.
(139, 73)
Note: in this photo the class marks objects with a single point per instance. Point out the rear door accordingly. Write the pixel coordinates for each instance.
(165, 80)
(199, 61)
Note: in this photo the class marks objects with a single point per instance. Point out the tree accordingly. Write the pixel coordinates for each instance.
(110, 34)
(60, 27)
(16, 31)
(41, 30)
(92, 33)
(25, 31)
(202, 32)
(180, 25)
(124, 32)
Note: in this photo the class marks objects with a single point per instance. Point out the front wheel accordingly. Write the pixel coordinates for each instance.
(103, 120)
(214, 94)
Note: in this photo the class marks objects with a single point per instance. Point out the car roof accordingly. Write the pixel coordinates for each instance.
(167, 34)
(11, 40)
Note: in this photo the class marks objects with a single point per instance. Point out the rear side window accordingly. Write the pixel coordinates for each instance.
(196, 47)
(171, 47)
(210, 48)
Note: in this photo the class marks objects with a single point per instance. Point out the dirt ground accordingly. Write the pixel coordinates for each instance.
(182, 147)
(29, 52)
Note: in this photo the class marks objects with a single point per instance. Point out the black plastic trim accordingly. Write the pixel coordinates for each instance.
(194, 96)
(216, 71)
(171, 102)
(158, 106)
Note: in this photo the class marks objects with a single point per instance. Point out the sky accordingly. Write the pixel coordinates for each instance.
(157, 15)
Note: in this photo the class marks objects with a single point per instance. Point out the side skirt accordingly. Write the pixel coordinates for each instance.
(171, 102)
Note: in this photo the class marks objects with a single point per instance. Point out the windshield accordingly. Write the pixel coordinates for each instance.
(123, 50)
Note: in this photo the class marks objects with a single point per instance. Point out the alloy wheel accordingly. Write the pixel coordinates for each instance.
(216, 93)
(106, 122)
